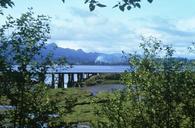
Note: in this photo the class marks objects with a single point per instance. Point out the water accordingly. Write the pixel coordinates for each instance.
(85, 69)
(6, 107)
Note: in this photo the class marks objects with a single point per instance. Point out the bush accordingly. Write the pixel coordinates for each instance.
(160, 92)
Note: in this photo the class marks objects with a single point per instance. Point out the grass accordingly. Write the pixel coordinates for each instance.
(4, 100)
(84, 111)
(87, 104)
(103, 79)
(111, 82)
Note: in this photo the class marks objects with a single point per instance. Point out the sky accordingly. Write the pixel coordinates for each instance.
(109, 30)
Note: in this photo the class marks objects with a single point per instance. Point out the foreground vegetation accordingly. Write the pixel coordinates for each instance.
(72, 106)
(160, 91)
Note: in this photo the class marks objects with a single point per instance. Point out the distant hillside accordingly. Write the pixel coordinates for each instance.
(81, 57)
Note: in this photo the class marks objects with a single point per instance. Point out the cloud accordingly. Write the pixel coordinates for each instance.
(95, 46)
(89, 29)
(82, 29)
(171, 31)
(147, 32)
(171, 27)
(92, 33)
(174, 31)
(186, 24)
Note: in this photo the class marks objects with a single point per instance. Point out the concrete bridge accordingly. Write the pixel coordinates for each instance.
(59, 78)
(82, 73)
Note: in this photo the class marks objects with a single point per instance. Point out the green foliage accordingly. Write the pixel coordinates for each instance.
(122, 5)
(115, 113)
(21, 40)
(160, 92)
(129, 4)
(5, 4)
(73, 105)
(38, 107)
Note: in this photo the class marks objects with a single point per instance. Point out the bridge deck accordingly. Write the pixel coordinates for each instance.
(90, 69)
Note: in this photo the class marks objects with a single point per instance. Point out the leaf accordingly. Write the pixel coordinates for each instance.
(122, 7)
(138, 5)
(1, 13)
(101, 5)
(91, 7)
(86, 1)
(115, 6)
(128, 7)
(150, 1)
(10, 4)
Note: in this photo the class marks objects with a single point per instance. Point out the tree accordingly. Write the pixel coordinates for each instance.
(160, 91)
(20, 72)
(122, 5)
(5, 4)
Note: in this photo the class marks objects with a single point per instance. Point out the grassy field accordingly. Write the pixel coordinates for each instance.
(103, 79)
(85, 105)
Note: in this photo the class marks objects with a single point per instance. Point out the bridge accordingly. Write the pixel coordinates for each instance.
(81, 73)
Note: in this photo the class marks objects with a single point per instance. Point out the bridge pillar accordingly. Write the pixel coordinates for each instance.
(70, 79)
(62, 77)
(53, 80)
(82, 76)
(68, 83)
(93, 74)
(88, 75)
(60, 80)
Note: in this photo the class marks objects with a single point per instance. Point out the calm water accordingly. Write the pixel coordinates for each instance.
(86, 69)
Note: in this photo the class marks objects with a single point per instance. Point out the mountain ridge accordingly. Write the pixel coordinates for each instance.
(81, 57)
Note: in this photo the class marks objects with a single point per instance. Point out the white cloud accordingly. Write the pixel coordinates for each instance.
(186, 24)
(147, 32)
(91, 33)
(93, 46)
(94, 33)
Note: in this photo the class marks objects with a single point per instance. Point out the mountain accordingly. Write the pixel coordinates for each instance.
(81, 57)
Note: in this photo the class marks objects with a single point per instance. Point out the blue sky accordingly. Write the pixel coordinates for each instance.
(110, 30)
